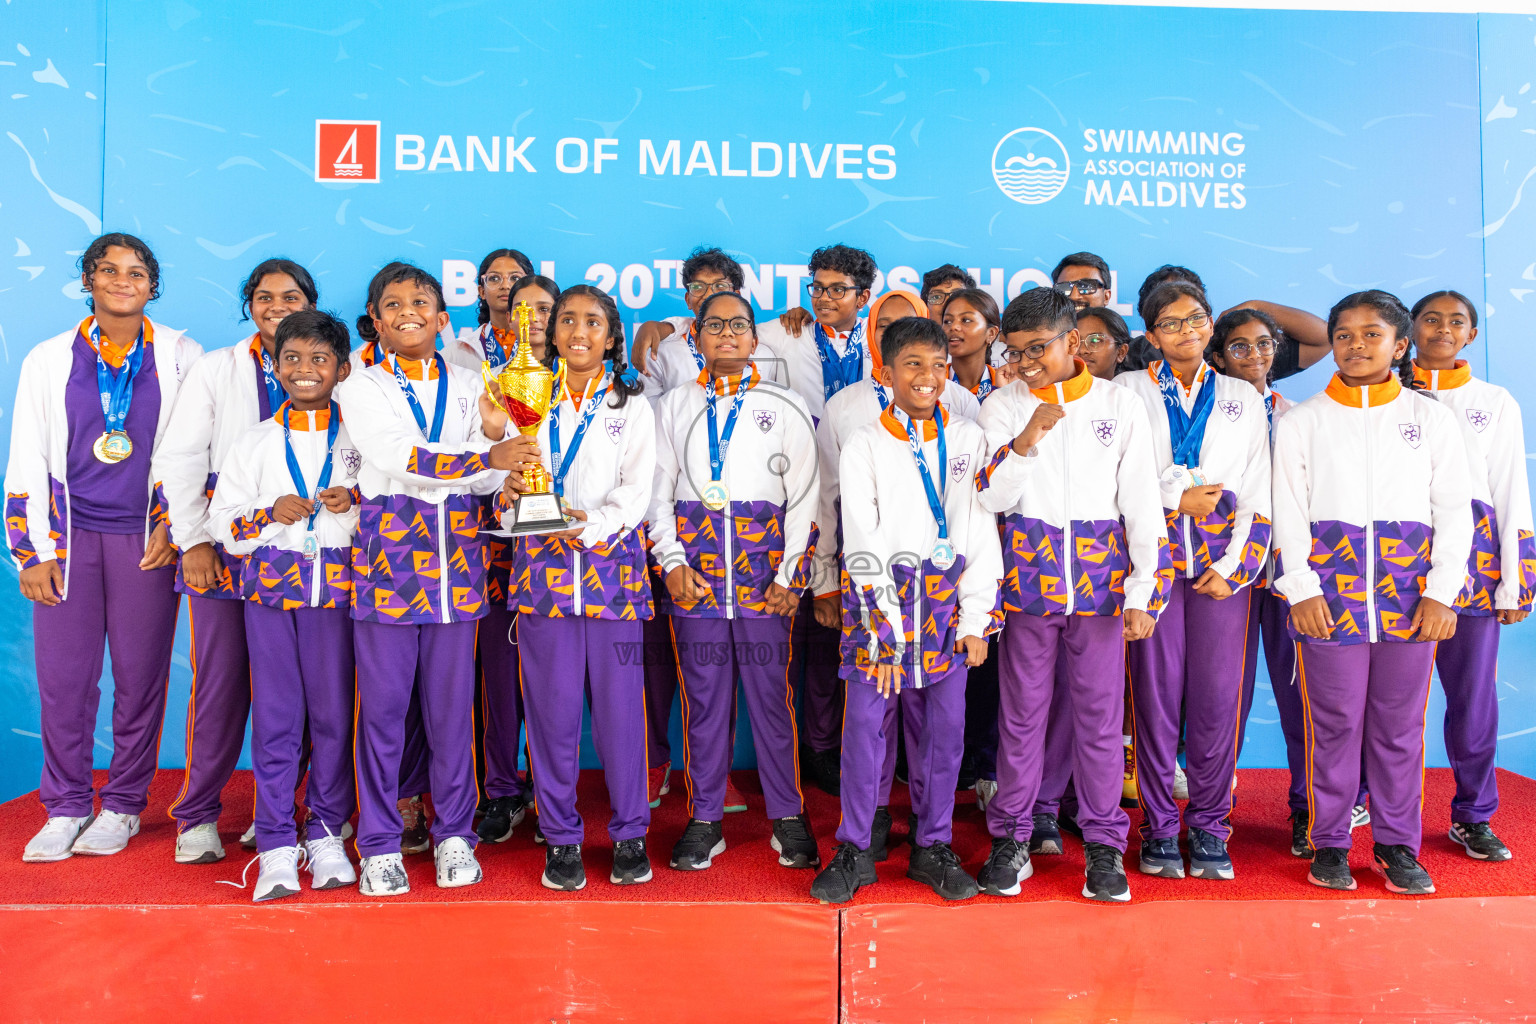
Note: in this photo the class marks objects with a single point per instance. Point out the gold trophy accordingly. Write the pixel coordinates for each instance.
(524, 389)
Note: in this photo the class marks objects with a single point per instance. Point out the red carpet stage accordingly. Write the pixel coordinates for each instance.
(138, 937)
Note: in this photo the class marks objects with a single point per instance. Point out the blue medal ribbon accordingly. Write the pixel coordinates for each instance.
(839, 371)
(494, 353)
(884, 398)
(297, 472)
(1269, 409)
(410, 396)
(116, 386)
(698, 357)
(563, 465)
(719, 443)
(935, 494)
(1185, 429)
(272, 394)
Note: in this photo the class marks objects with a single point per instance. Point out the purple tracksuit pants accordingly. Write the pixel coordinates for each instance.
(660, 681)
(218, 708)
(1092, 650)
(711, 653)
(1267, 620)
(111, 602)
(301, 671)
(1056, 774)
(566, 660)
(1365, 702)
(501, 703)
(387, 658)
(934, 750)
(1193, 660)
(814, 658)
(1468, 664)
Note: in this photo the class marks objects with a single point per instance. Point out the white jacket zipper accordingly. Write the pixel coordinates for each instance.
(1369, 555)
(1069, 579)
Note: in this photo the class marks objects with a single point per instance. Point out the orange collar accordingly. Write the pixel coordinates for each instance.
(415, 369)
(112, 353)
(298, 419)
(591, 387)
(1157, 364)
(919, 308)
(728, 385)
(1376, 394)
(898, 430)
(371, 352)
(1069, 390)
(1443, 380)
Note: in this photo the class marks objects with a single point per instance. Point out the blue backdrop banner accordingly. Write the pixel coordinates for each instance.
(1270, 151)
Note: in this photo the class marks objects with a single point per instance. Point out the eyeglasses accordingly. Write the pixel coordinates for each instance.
(1014, 355)
(708, 287)
(938, 297)
(497, 280)
(737, 325)
(1243, 349)
(1086, 287)
(837, 291)
(1175, 325)
(1093, 341)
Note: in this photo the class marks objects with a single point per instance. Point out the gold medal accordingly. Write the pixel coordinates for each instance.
(112, 447)
(715, 496)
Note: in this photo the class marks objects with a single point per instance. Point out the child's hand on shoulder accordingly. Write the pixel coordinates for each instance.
(974, 648)
(1138, 624)
(291, 508)
(336, 499)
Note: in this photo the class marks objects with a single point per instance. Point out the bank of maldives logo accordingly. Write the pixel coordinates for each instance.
(1030, 165)
(346, 151)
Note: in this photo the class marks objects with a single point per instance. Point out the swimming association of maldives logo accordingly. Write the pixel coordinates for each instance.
(346, 150)
(1031, 166)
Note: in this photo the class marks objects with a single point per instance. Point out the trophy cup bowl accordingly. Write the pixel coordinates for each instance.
(523, 390)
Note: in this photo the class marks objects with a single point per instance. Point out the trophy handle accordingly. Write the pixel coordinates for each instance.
(490, 380)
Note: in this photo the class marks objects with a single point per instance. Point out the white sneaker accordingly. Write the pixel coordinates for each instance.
(384, 875)
(108, 834)
(248, 837)
(1180, 783)
(1359, 815)
(456, 864)
(200, 844)
(986, 789)
(55, 840)
(329, 867)
(279, 874)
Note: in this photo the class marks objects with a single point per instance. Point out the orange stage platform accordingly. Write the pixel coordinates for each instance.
(138, 937)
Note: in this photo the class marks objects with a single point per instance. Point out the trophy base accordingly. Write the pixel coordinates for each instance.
(538, 513)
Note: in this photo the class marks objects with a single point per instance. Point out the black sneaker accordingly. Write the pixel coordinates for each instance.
(851, 869)
(1402, 870)
(538, 834)
(1161, 857)
(793, 842)
(1208, 856)
(1044, 836)
(1301, 846)
(824, 768)
(502, 815)
(1104, 879)
(1068, 824)
(1477, 838)
(938, 868)
(631, 866)
(701, 843)
(562, 868)
(880, 834)
(1007, 865)
(1330, 868)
